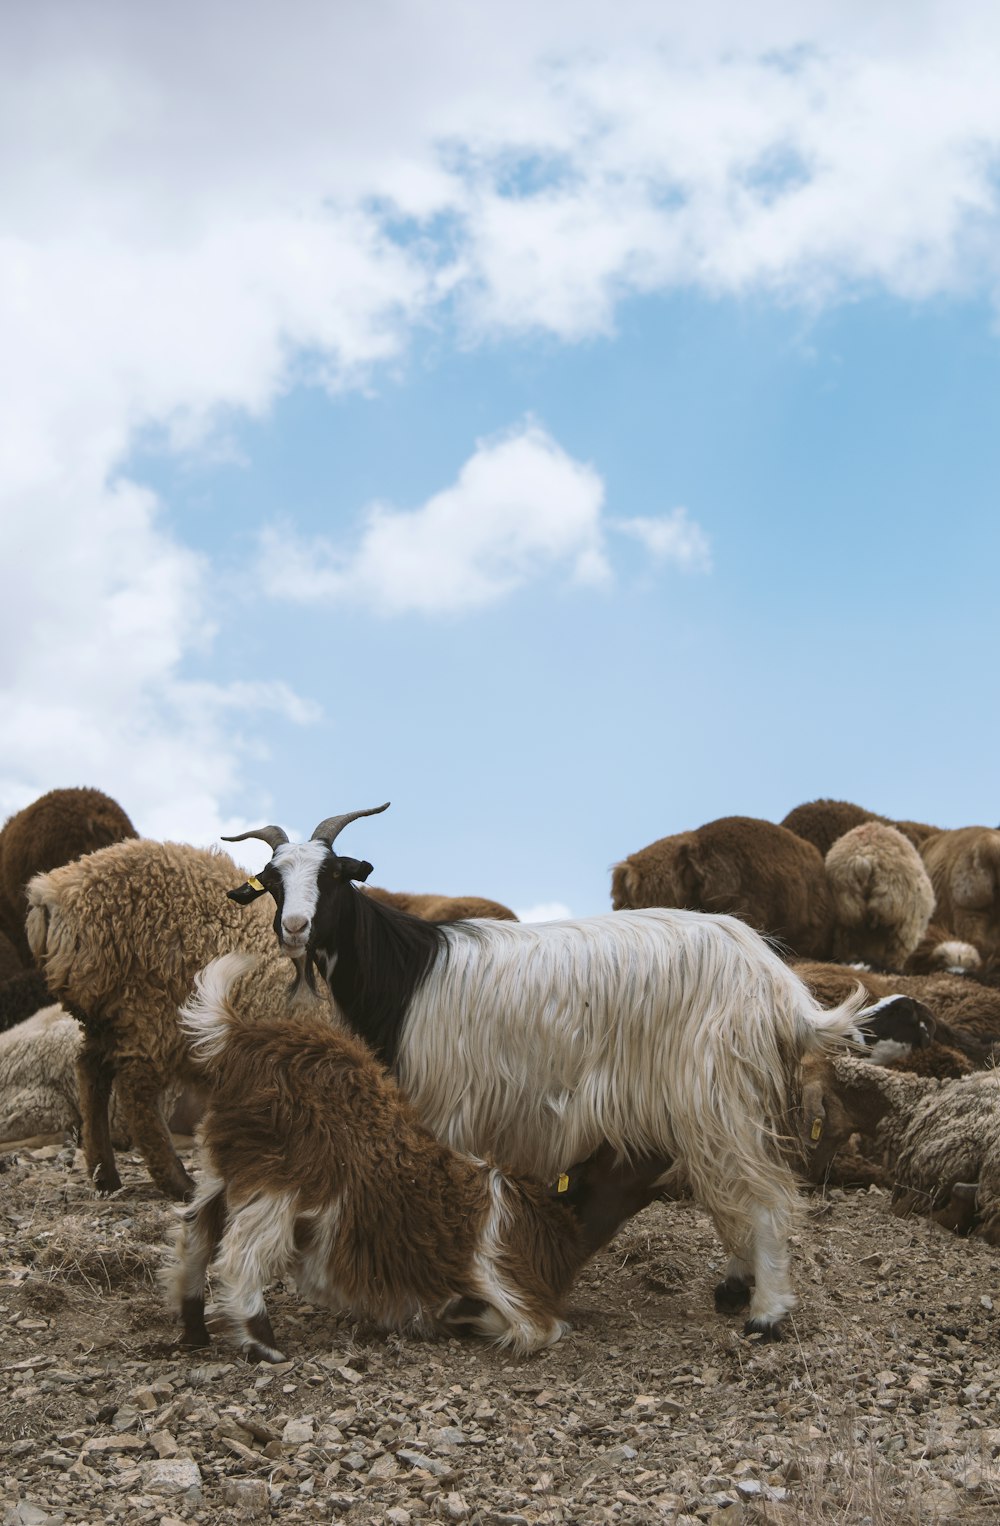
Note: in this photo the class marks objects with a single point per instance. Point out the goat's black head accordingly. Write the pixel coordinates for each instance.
(300, 876)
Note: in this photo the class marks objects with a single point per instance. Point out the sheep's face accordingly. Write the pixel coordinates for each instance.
(298, 877)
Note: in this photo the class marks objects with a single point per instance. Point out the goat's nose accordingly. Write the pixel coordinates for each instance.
(294, 925)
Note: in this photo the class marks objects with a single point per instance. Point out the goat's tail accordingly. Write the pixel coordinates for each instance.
(835, 1030)
(208, 1017)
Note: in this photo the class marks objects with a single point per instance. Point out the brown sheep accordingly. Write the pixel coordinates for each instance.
(964, 866)
(752, 869)
(821, 822)
(11, 963)
(882, 896)
(442, 908)
(120, 935)
(54, 829)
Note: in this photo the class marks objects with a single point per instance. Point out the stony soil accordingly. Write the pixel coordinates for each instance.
(881, 1406)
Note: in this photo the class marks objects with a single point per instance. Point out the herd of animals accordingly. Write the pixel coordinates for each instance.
(430, 1114)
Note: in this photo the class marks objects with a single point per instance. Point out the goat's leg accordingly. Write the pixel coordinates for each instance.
(140, 1093)
(257, 1247)
(201, 1230)
(732, 1294)
(772, 1296)
(94, 1077)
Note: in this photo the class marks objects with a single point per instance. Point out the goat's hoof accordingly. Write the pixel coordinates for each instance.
(763, 1330)
(106, 1181)
(732, 1296)
(253, 1351)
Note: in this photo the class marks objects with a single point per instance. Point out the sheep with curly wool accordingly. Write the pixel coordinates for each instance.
(54, 829)
(964, 866)
(120, 935)
(39, 1093)
(882, 896)
(821, 822)
(442, 908)
(666, 1033)
(314, 1165)
(763, 874)
(940, 1139)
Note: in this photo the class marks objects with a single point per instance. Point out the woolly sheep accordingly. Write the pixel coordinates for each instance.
(964, 866)
(54, 829)
(751, 869)
(11, 962)
(38, 1083)
(882, 896)
(120, 935)
(313, 1164)
(442, 908)
(940, 1139)
(821, 822)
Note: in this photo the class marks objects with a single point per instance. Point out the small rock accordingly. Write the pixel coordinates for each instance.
(385, 1466)
(455, 1507)
(397, 1516)
(248, 1495)
(173, 1475)
(298, 1432)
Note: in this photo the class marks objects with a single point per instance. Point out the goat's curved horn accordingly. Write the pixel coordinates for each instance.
(273, 836)
(328, 829)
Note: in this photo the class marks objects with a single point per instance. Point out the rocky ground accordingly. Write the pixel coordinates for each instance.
(881, 1406)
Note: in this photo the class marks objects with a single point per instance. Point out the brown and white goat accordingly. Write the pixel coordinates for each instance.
(314, 1166)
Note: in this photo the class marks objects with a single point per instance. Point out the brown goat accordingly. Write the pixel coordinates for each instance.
(821, 822)
(315, 1165)
(53, 830)
(752, 869)
(442, 908)
(964, 866)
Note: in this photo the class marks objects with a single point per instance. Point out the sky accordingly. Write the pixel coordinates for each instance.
(570, 423)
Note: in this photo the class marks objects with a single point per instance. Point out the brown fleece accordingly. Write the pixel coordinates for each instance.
(299, 1107)
(441, 908)
(752, 869)
(54, 829)
(120, 935)
(964, 866)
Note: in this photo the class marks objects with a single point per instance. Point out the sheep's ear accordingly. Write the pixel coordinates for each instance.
(244, 894)
(354, 868)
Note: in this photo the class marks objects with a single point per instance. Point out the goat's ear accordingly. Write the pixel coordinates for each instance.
(354, 868)
(244, 894)
(813, 1115)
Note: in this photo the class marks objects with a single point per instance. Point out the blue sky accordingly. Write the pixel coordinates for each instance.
(578, 433)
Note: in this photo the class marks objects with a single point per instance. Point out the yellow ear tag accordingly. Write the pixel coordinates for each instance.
(562, 1185)
(816, 1130)
(254, 884)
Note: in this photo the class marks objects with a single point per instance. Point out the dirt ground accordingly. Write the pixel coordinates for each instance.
(880, 1406)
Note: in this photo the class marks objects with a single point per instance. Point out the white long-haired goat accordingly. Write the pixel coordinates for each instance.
(667, 1033)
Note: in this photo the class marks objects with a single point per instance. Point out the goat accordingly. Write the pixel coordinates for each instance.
(314, 1165)
(666, 1033)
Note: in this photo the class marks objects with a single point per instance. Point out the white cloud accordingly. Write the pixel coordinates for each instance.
(673, 537)
(200, 200)
(545, 911)
(520, 507)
